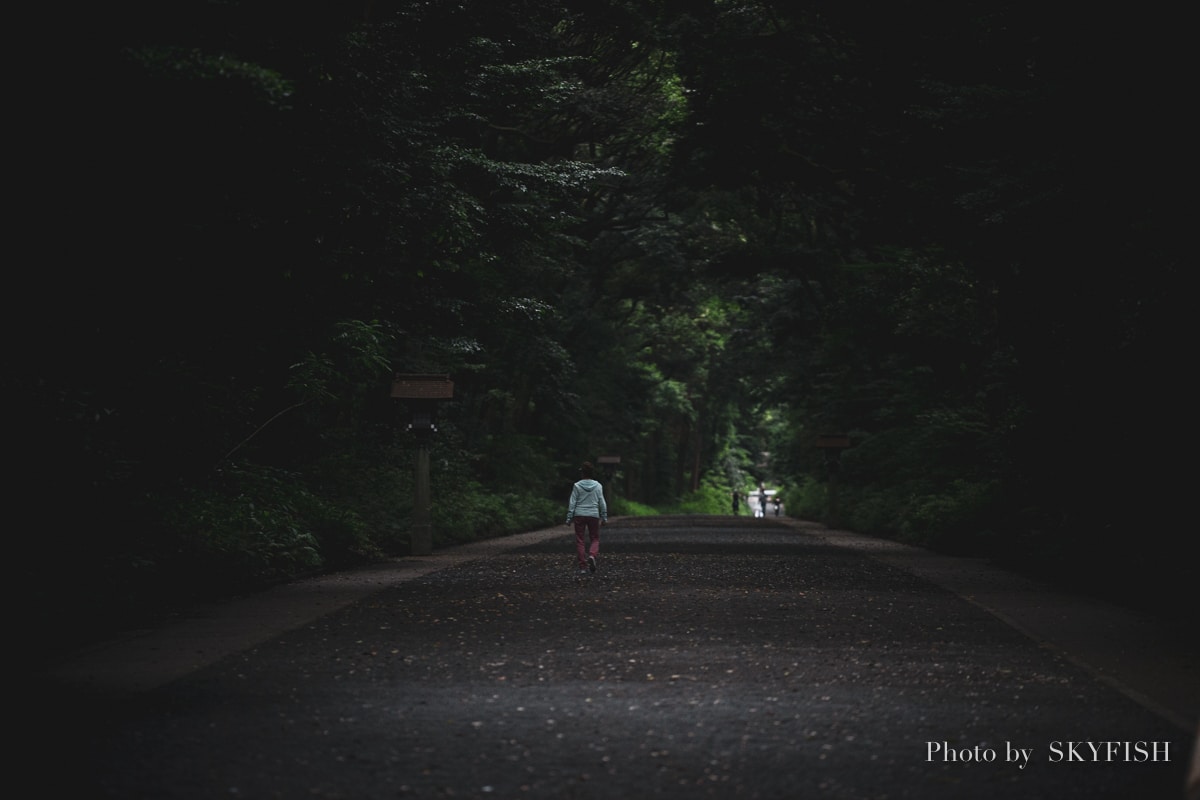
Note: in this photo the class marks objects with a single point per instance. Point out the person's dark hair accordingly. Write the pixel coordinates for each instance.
(586, 469)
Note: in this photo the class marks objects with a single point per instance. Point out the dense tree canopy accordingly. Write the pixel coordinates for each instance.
(697, 235)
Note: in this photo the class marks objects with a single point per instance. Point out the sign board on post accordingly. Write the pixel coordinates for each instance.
(422, 387)
(833, 444)
(422, 392)
(611, 462)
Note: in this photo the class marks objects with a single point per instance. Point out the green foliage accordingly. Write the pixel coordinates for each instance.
(707, 500)
(874, 509)
(544, 205)
(808, 499)
(376, 492)
(253, 527)
(468, 512)
(196, 65)
(956, 519)
(632, 508)
(510, 462)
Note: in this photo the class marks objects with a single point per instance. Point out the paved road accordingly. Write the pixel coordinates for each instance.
(710, 657)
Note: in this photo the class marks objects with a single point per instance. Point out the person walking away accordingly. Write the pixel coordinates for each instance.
(588, 511)
(737, 502)
(762, 501)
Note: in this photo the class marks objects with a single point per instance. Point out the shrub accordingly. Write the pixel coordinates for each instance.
(367, 507)
(706, 500)
(471, 514)
(954, 519)
(807, 500)
(872, 510)
(632, 508)
(252, 527)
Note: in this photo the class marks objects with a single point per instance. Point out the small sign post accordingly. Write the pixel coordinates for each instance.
(421, 393)
(833, 444)
(611, 462)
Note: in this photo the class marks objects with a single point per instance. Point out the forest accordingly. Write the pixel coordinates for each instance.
(697, 236)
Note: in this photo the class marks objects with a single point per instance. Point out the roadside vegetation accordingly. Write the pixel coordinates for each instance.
(698, 236)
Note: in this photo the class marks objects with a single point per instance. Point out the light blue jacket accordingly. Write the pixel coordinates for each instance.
(587, 500)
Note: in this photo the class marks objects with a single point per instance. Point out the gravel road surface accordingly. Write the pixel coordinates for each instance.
(708, 657)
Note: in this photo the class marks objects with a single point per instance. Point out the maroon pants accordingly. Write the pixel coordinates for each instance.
(589, 546)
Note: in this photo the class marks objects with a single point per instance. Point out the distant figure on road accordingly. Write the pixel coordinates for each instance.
(762, 501)
(588, 510)
(775, 501)
(737, 502)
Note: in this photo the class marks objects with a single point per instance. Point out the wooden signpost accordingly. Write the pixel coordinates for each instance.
(421, 394)
(833, 444)
(611, 462)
